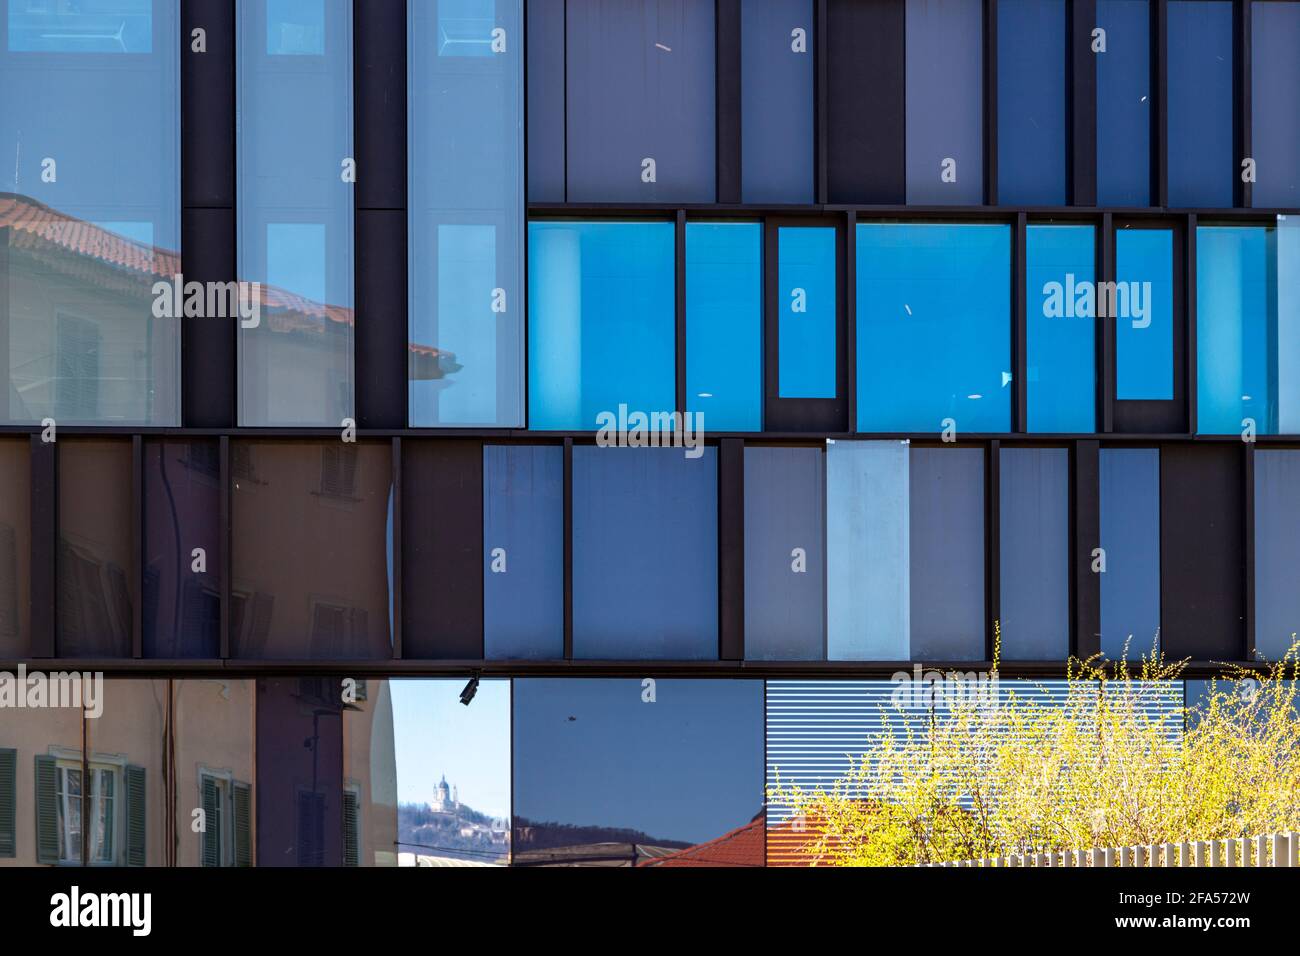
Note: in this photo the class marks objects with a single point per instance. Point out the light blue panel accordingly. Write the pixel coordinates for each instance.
(806, 304)
(724, 324)
(945, 100)
(1202, 168)
(934, 327)
(523, 583)
(946, 510)
(776, 101)
(295, 125)
(1130, 536)
(1124, 104)
(1031, 102)
(867, 551)
(466, 135)
(1275, 103)
(1236, 312)
(90, 128)
(601, 326)
(784, 515)
(1277, 550)
(1061, 325)
(645, 554)
(1034, 489)
(1144, 307)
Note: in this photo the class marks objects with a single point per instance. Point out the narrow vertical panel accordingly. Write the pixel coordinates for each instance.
(1060, 373)
(208, 353)
(727, 57)
(1124, 103)
(777, 125)
(1202, 546)
(866, 134)
(1201, 116)
(1085, 498)
(1031, 90)
(224, 531)
(1034, 545)
(731, 549)
(135, 575)
(947, 517)
(395, 552)
(785, 560)
(1129, 502)
(1243, 98)
(568, 549)
(1277, 550)
(381, 354)
(442, 550)
(867, 551)
(945, 102)
(1274, 103)
(379, 91)
(523, 544)
(15, 547)
(545, 99)
(1081, 63)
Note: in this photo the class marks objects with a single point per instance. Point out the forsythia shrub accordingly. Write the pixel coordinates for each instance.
(1015, 773)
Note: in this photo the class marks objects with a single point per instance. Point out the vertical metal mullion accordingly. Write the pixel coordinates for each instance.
(679, 308)
(1189, 297)
(1020, 327)
(1242, 20)
(1160, 92)
(727, 63)
(1105, 331)
(731, 549)
(44, 547)
(396, 596)
(227, 544)
(851, 318)
(1081, 157)
(991, 102)
(1085, 535)
(568, 549)
(1248, 564)
(992, 543)
(137, 546)
(821, 99)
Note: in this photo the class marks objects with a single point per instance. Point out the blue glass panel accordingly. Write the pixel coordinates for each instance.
(645, 554)
(601, 321)
(724, 324)
(1031, 102)
(1248, 328)
(1144, 314)
(1061, 327)
(622, 773)
(1130, 537)
(1202, 168)
(90, 126)
(776, 101)
(806, 300)
(946, 511)
(785, 569)
(640, 81)
(1035, 553)
(1277, 550)
(88, 26)
(945, 101)
(867, 550)
(467, 213)
(523, 551)
(1124, 104)
(934, 327)
(1275, 103)
(295, 210)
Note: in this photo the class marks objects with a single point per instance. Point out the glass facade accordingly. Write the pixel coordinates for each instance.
(1031, 102)
(1034, 538)
(1201, 108)
(1060, 320)
(91, 119)
(1130, 544)
(776, 97)
(1124, 103)
(466, 136)
(1143, 308)
(296, 172)
(807, 305)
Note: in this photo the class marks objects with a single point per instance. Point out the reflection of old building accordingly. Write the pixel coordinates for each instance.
(203, 772)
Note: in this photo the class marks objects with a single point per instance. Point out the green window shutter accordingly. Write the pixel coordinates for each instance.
(212, 823)
(135, 816)
(243, 822)
(351, 833)
(8, 803)
(47, 810)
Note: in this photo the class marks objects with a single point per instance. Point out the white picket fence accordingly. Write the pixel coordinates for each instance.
(1273, 849)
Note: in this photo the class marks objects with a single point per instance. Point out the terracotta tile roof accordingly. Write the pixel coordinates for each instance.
(743, 846)
(39, 229)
